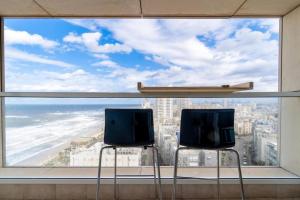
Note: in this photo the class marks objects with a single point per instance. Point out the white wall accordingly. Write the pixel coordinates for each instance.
(290, 111)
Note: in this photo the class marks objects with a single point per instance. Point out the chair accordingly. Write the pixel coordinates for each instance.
(129, 128)
(209, 129)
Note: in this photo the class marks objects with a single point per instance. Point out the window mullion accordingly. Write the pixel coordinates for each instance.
(2, 104)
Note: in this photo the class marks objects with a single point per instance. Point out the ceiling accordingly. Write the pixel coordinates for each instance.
(146, 8)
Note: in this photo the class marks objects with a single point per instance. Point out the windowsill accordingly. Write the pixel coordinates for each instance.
(138, 175)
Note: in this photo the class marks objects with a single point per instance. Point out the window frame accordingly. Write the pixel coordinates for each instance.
(4, 94)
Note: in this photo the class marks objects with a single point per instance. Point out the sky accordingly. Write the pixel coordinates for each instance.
(112, 55)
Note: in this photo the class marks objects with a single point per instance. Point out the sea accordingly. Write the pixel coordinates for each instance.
(35, 133)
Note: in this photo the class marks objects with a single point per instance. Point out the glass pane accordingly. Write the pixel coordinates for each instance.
(114, 54)
(69, 132)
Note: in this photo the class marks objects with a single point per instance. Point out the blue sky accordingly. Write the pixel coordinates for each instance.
(94, 55)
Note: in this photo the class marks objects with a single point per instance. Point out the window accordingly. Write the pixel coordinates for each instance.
(112, 55)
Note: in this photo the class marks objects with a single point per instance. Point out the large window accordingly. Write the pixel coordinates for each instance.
(71, 134)
(112, 55)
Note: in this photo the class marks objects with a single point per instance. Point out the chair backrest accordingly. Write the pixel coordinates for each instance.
(129, 127)
(207, 128)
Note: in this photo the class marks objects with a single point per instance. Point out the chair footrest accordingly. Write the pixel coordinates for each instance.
(131, 175)
(191, 177)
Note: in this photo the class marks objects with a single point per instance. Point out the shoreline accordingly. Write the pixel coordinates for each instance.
(42, 158)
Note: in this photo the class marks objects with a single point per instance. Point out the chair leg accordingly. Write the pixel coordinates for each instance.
(175, 174)
(218, 174)
(154, 172)
(240, 172)
(158, 172)
(99, 171)
(115, 175)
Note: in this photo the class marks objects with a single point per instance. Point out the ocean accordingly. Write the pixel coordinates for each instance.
(35, 133)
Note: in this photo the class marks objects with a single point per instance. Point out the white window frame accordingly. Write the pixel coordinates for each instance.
(4, 94)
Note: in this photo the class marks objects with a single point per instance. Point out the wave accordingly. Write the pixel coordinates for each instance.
(30, 141)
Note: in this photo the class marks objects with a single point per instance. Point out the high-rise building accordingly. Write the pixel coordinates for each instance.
(243, 126)
(164, 109)
(271, 150)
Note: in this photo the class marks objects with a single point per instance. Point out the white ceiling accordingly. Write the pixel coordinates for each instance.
(148, 8)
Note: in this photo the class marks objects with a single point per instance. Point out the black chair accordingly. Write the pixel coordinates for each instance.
(209, 129)
(129, 128)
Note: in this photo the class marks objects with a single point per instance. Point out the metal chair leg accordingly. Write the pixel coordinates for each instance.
(154, 149)
(240, 174)
(240, 171)
(158, 172)
(154, 173)
(218, 173)
(99, 171)
(115, 175)
(175, 171)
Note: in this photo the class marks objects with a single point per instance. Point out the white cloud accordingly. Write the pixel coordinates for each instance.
(118, 78)
(271, 24)
(181, 48)
(91, 42)
(151, 37)
(49, 81)
(15, 54)
(106, 63)
(218, 28)
(113, 48)
(175, 69)
(101, 56)
(13, 37)
(239, 54)
(72, 38)
(86, 23)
